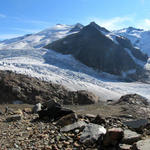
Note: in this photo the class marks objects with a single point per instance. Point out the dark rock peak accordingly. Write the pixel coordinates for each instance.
(130, 29)
(102, 29)
(77, 27)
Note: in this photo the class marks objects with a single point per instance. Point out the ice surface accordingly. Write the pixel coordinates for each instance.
(64, 69)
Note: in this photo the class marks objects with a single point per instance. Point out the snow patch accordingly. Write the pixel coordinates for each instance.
(137, 61)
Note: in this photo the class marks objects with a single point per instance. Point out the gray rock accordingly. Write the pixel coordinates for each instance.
(142, 145)
(14, 118)
(92, 133)
(136, 124)
(37, 108)
(134, 99)
(76, 125)
(130, 137)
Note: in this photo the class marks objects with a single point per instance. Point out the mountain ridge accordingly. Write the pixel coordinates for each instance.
(92, 47)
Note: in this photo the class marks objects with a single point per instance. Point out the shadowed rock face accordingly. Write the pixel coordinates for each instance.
(93, 48)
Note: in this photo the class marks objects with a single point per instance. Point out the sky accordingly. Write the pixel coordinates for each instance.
(20, 17)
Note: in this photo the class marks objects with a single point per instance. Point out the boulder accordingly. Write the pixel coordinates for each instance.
(76, 125)
(136, 124)
(14, 118)
(142, 145)
(82, 97)
(134, 99)
(130, 137)
(53, 111)
(92, 133)
(68, 119)
(113, 137)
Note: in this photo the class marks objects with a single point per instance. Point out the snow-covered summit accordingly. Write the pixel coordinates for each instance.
(42, 38)
(138, 37)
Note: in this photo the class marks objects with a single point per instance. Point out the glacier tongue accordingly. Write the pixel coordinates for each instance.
(64, 69)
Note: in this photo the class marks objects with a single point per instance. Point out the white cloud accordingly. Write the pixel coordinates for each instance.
(144, 24)
(113, 23)
(2, 16)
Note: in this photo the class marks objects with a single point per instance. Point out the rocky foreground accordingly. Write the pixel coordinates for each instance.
(123, 125)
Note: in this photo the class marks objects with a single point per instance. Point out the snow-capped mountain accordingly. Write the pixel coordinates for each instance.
(138, 37)
(24, 55)
(42, 38)
(98, 48)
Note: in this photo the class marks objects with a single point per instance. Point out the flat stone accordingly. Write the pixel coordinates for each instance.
(68, 119)
(125, 147)
(113, 137)
(14, 118)
(92, 133)
(142, 145)
(76, 125)
(130, 137)
(136, 124)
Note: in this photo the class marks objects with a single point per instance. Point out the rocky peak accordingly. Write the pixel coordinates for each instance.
(77, 27)
(130, 29)
(102, 29)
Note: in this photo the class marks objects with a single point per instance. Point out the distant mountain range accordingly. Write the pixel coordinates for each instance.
(123, 52)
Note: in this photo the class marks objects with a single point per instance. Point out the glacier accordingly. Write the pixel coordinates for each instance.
(62, 69)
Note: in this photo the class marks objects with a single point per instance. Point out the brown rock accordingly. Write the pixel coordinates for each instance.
(113, 137)
(68, 119)
(82, 98)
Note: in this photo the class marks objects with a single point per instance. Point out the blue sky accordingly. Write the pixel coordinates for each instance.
(19, 17)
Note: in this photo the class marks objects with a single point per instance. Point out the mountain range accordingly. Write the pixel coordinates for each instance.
(80, 57)
(96, 47)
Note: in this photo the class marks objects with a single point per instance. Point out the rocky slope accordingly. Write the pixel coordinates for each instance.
(93, 47)
(111, 128)
(16, 88)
